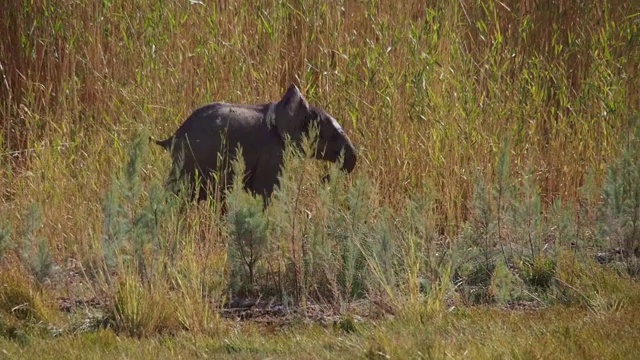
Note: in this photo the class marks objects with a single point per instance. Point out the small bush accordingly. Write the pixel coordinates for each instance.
(199, 294)
(585, 283)
(538, 272)
(19, 299)
(248, 231)
(5, 240)
(131, 216)
(505, 286)
(141, 310)
(620, 215)
(35, 249)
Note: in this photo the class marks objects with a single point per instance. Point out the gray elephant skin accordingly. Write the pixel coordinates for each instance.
(207, 141)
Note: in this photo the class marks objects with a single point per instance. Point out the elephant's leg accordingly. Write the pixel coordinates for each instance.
(190, 185)
(179, 181)
(210, 185)
(204, 189)
(264, 180)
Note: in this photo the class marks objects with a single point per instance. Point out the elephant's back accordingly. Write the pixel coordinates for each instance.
(217, 125)
(199, 118)
(216, 117)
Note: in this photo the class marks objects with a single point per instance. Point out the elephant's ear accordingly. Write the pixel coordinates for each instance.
(291, 112)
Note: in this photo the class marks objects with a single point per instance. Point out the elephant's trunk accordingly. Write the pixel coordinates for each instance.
(350, 158)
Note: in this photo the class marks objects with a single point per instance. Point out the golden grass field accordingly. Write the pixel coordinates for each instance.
(493, 211)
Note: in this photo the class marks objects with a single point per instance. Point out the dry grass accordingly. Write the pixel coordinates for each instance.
(444, 100)
(423, 90)
(486, 334)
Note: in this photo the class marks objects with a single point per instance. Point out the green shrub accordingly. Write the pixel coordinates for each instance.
(620, 219)
(506, 287)
(5, 239)
(538, 272)
(142, 310)
(248, 228)
(35, 250)
(585, 283)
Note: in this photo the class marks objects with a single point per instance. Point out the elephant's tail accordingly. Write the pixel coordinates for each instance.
(166, 144)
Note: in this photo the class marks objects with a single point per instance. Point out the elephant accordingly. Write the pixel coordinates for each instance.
(208, 139)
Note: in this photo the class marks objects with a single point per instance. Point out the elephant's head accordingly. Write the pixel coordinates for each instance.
(294, 117)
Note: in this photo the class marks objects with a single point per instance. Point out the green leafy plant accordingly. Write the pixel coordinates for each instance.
(248, 228)
(35, 250)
